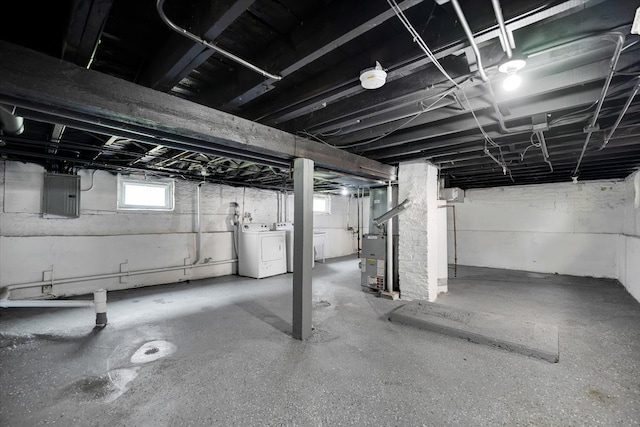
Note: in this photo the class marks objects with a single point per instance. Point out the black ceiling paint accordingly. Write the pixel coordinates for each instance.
(320, 97)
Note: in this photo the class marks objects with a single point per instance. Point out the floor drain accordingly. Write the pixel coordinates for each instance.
(152, 350)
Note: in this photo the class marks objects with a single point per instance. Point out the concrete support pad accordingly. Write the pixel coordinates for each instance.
(528, 338)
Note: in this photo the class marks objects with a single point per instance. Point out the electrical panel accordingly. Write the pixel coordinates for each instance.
(61, 196)
(373, 262)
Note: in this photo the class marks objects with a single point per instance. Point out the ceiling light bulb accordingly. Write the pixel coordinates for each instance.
(344, 192)
(512, 82)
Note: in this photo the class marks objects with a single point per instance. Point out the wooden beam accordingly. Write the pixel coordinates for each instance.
(44, 85)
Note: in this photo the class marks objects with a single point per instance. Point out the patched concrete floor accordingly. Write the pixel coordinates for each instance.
(218, 352)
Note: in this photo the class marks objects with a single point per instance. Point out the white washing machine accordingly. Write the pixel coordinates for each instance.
(288, 228)
(262, 252)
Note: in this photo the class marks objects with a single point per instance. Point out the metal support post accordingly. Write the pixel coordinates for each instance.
(303, 246)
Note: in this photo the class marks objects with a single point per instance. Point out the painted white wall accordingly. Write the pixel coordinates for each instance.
(443, 266)
(555, 228)
(103, 238)
(418, 231)
(629, 240)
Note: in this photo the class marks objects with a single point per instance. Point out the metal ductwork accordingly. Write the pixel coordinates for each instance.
(9, 122)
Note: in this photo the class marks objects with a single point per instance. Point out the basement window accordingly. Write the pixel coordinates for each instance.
(143, 194)
(321, 204)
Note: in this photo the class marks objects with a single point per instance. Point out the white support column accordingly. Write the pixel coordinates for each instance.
(418, 231)
(303, 246)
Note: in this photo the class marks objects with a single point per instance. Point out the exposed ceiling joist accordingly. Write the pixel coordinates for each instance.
(328, 31)
(85, 27)
(36, 82)
(179, 56)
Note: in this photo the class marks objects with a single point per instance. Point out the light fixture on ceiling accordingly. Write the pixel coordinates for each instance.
(511, 68)
(373, 78)
(344, 191)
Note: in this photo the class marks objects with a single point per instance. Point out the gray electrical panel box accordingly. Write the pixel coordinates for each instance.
(373, 262)
(61, 196)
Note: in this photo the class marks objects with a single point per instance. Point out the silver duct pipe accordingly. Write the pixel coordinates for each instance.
(591, 127)
(504, 35)
(187, 34)
(622, 113)
(9, 122)
(472, 42)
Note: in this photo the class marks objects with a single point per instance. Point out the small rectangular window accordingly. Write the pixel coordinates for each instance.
(141, 194)
(321, 204)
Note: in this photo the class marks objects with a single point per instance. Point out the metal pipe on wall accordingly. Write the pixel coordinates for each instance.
(99, 302)
(198, 225)
(44, 303)
(389, 271)
(620, 39)
(5, 291)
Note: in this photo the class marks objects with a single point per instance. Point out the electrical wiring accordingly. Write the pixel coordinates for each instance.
(532, 144)
(418, 39)
(488, 140)
(412, 118)
(310, 135)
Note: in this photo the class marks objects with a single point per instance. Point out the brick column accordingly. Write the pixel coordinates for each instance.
(418, 231)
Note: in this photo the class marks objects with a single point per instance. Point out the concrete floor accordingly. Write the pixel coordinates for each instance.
(218, 352)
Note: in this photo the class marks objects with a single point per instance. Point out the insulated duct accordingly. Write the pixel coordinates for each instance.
(9, 122)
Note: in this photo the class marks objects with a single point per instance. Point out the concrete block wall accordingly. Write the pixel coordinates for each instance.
(555, 228)
(629, 240)
(103, 238)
